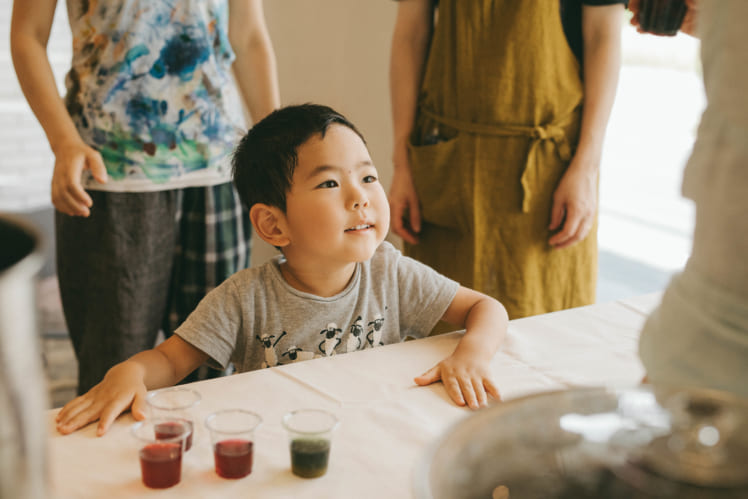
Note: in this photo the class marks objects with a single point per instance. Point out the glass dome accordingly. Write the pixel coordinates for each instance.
(640, 442)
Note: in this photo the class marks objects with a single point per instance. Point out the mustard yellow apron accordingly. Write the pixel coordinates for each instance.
(498, 119)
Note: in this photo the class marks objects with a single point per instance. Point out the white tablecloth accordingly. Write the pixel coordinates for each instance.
(386, 421)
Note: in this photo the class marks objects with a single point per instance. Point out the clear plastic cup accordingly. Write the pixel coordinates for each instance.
(176, 404)
(662, 17)
(160, 455)
(310, 438)
(232, 435)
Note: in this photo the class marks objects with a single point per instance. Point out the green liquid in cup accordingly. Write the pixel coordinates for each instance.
(309, 457)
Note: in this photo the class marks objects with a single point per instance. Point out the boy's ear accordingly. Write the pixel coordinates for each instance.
(269, 224)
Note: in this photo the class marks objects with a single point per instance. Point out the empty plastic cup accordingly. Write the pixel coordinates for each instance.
(175, 404)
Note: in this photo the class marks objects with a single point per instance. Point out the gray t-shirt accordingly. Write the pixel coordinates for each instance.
(256, 319)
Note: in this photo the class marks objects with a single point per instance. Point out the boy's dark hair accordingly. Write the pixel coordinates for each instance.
(265, 159)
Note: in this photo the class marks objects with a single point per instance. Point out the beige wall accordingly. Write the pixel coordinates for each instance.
(336, 52)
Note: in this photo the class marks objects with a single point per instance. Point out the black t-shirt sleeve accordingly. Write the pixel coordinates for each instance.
(604, 2)
(571, 18)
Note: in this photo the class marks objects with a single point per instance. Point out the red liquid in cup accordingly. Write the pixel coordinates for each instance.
(165, 431)
(233, 458)
(161, 465)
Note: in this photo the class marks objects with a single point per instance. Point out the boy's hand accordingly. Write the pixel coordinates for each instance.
(121, 388)
(466, 380)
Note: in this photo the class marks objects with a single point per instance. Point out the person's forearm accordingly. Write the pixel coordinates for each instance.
(38, 85)
(154, 369)
(602, 62)
(485, 328)
(257, 76)
(410, 43)
(254, 67)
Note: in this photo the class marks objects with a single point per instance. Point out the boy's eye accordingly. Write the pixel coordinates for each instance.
(370, 179)
(328, 184)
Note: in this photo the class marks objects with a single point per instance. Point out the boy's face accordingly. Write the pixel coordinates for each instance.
(336, 209)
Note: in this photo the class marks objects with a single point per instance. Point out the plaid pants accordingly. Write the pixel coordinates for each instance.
(142, 262)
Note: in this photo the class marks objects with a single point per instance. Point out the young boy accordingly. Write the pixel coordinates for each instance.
(313, 192)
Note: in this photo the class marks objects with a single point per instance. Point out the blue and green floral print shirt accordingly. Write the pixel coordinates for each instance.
(151, 89)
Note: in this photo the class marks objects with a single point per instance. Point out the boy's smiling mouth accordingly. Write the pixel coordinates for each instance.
(360, 227)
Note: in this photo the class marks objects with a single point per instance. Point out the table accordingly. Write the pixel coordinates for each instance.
(387, 422)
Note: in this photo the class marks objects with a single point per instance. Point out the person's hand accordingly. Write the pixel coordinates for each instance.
(574, 207)
(119, 390)
(635, 8)
(68, 195)
(405, 212)
(689, 21)
(466, 380)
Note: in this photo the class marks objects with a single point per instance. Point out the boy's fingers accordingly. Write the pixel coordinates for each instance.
(65, 410)
(454, 391)
(431, 376)
(138, 406)
(105, 420)
(72, 408)
(80, 420)
(491, 388)
(109, 413)
(480, 392)
(468, 394)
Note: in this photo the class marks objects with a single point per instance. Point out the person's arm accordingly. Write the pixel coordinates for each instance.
(29, 33)
(410, 43)
(466, 374)
(125, 385)
(575, 198)
(254, 67)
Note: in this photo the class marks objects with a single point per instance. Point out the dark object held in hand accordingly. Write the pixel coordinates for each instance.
(662, 17)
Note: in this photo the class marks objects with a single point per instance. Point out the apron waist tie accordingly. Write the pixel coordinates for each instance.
(537, 134)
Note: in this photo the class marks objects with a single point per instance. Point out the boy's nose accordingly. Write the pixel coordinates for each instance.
(359, 200)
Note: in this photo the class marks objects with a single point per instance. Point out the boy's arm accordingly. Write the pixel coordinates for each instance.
(465, 374)
(254, 67)
(29, 33)
(575, 199)
(125, 385)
